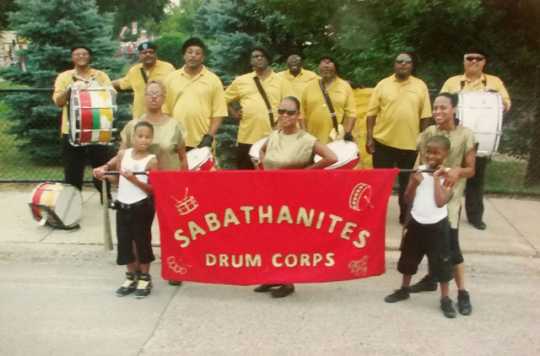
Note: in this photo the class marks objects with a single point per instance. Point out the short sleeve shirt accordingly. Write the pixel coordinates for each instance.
(134, 80)
(255, 122)
(289, 151)
(399, 106)
(486, 82)
(317, 116)
(299, 82)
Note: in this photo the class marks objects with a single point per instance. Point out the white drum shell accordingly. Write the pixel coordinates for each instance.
(345, 151)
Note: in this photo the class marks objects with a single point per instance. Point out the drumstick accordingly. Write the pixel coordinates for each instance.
(117, 173)
(107, 235)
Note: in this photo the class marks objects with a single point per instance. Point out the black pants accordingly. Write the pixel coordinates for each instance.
(243, 158)
(390, 157)
(76, 157)
(474, 192)
(134, 226)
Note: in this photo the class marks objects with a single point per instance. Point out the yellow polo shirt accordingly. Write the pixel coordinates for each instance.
(66, 79)
(317, 117)
(299, 83)
(485, 82)
(194, 101)
(399, 107)
(362, 97)
(135, 81)
(255, 123)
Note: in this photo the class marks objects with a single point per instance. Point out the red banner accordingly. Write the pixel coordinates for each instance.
(251, 227)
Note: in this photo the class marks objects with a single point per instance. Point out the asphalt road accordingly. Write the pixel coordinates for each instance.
(58, 299)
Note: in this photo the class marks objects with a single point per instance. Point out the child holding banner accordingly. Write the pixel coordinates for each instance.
(135, 212)
(428, 231)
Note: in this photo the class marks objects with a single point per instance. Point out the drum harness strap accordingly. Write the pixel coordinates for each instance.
(266, 101)
(462, 84)
(329, 105)
(144, 76)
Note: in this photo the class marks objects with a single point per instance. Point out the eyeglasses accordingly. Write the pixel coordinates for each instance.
(288, 112)
(403, 61)
(474, 58)
(154, 95)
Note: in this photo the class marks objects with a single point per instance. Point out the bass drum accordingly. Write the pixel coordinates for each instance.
(200, 159)
(346, 152)
(255, 152)
(57, 205)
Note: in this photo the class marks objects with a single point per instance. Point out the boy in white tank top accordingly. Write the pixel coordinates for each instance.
(428, 230)
(135, 212)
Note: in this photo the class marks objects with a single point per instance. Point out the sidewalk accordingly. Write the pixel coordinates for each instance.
(513, 225)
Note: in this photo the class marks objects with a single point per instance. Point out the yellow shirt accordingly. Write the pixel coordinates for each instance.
(361, 97)
(399, 107)
(194, 101)
(299, 83)
(135, 81)
(255, 123)
(317, 117)
(66, 79)
(486, 82)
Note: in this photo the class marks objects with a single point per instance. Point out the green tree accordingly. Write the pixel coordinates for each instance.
(5, 7)
(52, 28)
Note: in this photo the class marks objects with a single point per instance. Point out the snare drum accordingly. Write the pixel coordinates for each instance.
(91, 116)
(57, 205)
(482, 112)
(200, 159)
(255, 152)
(346, 152)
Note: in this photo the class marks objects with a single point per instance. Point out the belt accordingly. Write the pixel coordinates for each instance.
(123, 206)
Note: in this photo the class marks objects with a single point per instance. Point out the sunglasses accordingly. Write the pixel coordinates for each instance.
(288, 112)
(474, 58)
(403, 61)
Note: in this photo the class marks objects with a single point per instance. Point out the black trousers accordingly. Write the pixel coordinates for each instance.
(390, 157)
(76, 158)
(243, 158)
(474, 192)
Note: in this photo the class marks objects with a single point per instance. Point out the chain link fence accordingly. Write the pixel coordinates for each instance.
(16, 166)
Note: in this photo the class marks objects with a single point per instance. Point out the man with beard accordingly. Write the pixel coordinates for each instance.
(259, 94)
(195, 96)
(149, 68)
(398, 111)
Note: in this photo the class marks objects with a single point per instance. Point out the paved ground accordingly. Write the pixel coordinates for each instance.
(57, 299)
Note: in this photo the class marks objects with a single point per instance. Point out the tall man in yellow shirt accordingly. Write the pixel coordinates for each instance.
(195, 96)
(297, 75)
(317, 116)
(257, 119)
(398, 110)
(474, 79)
(81, 76)
(149, 68)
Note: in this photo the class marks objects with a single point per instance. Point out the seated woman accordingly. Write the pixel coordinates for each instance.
(291, 148)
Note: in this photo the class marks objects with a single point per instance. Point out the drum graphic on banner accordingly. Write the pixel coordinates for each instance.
(482, 112)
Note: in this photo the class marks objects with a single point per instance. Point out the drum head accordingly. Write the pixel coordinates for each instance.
(346, 152)
(255, 150)
(197, 157)
(69, 205)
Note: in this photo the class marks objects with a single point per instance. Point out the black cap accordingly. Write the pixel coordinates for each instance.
(146, 45)
(83, 47)
(193, 41)
(476, 50)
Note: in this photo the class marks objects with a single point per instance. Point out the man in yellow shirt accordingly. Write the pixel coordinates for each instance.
(259, 115)
(474, 79)
(82, 76)
(149, 68)
(195, 96)
(398, 110)
(297, 76)
(318, 118)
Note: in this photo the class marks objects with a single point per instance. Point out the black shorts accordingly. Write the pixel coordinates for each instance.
(432, 240)
(133, 226)
(455, 251)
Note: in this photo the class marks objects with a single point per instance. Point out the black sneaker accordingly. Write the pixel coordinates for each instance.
(447, 307)
(144, 286)
(129, 285)
(464, 302)
(263, 288)
(398, 295)
(426, 284)
(283, 291)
